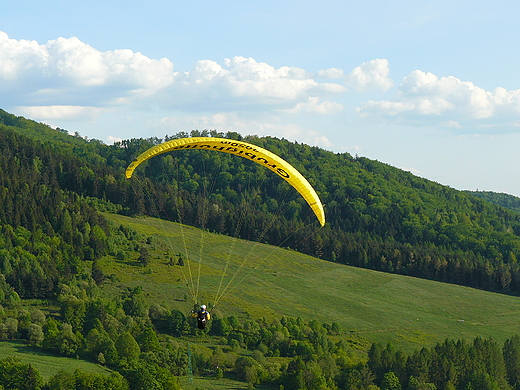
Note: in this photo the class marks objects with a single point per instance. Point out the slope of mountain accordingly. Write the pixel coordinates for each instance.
(271, 282)
(80, 278)
(499, 198)
(378, 217)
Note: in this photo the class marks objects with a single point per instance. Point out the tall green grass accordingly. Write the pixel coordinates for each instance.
(406, 311)
(46, 364)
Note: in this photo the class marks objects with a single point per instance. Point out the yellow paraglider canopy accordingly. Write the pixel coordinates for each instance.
(248, 151)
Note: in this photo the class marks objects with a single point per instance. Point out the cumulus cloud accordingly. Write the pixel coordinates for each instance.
(321, 141)
(244, 81)
(113, 140)
(267, 125)
(60, 112)
(331, 73)
(446, 101)
(314, 105)
(370, 75)
(224, 122)
(70, 72)
(63, 75)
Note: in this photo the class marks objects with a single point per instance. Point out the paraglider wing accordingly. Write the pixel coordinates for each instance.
(248, 151)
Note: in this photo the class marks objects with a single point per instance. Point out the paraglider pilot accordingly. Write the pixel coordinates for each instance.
(202, 316)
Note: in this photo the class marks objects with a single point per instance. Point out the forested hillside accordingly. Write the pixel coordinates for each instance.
(52, 237)
(505, 200)
(45, 229)
(378, 217)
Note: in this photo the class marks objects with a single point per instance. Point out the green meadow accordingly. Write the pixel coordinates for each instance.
(270, 282)
(251, 280)
(47, 365)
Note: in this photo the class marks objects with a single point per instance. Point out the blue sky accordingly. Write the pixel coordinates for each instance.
(430, 87)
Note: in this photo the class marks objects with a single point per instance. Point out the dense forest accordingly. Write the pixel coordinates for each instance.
(501, 199)
(378, 217)
(141, 345)
(52, 186)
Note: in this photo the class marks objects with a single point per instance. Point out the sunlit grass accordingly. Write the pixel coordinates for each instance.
(46, 364)
(406, 311)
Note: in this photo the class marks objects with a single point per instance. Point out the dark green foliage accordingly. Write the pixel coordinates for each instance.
(451, 364)
(97, 272)
(220, 326)
(17, 375)
(312, 360)
(45, 229)
(390, 382)
(135, 304)
(73, 311)
(144, 257)
(79, 380)
(501, 199)
(511, 352)
(177, 323)
(8, 296)
(52, 184)
(378, 216)
(147, 377)
(148, 341)
(127, 347)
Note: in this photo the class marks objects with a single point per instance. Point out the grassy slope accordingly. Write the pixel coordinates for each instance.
(409, 312)
(219, 384)
(46, 364)
(370, 305)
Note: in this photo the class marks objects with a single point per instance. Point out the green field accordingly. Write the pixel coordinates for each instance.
(406, 311)
(274, 282)
(46, 364)
(216, 384)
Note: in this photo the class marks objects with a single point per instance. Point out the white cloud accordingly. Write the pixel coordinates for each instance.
(446, 101)
(18, 56)
(434, 96)
(246, 82)
(62, 75)
(224, 122)
(451, 124)
(112, 140)
(72, 60)
(331, 73)
(314, 105)
(387, 108)
(370, 75)
(60, 112)
(68, 71)
(412, 170)
(506, 102)
(322, 142)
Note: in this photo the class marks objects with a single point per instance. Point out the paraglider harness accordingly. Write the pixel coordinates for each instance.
(202, 316)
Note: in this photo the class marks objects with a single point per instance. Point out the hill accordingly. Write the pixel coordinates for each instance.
(505, 200)
(408, 312)
(366, 306)
(48, 365)
(378, 217)
(80, 278)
